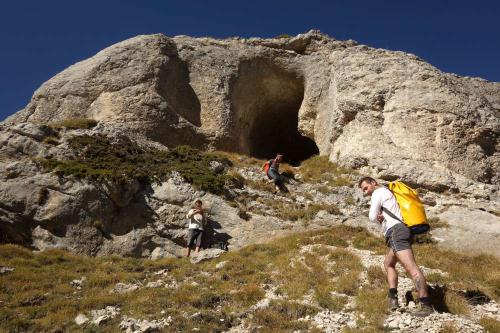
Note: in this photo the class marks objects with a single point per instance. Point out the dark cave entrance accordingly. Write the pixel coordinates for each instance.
(266, 100)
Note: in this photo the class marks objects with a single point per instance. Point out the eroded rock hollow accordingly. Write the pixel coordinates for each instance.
(265, 102)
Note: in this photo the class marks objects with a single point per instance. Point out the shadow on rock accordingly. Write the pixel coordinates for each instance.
(213, 237)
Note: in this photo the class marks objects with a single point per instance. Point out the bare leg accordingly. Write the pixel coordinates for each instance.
(406, 258)
(188, 251)
(390, 268)
(197, 249)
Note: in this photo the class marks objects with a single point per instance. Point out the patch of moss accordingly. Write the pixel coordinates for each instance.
(98, 158)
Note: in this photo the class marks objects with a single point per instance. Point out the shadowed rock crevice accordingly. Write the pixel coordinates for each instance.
(175, 89)
(180, 107)
(266, 100)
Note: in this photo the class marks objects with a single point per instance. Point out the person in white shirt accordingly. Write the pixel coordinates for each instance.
(197, 220)
(384, 210)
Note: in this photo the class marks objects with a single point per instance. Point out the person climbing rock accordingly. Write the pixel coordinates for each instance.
(197, 220)
(399, 239)
(272, 171)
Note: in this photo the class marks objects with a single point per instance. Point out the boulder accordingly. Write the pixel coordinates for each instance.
(206, 255)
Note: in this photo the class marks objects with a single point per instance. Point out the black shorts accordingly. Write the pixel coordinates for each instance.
(194, 237)
(399, 237)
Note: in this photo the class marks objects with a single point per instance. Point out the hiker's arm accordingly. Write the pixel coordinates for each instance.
(191, 213)
(375, 207)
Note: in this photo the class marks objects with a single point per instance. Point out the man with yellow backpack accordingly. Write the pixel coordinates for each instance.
(400, 215)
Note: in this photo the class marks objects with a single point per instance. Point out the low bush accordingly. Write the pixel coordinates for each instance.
(98, 158)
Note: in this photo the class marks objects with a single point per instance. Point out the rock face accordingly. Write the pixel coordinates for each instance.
(359, 105)
(385, 113)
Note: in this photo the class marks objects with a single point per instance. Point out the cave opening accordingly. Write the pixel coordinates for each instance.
(266, 101)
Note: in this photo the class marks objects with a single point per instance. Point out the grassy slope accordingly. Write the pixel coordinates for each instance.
(38, 296)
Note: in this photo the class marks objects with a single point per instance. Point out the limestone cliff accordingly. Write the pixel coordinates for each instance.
(359, 105)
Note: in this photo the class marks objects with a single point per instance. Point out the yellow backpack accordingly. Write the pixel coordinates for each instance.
(412, 209)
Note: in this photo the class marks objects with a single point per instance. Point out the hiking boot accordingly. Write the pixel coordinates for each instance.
(423, 311)
(393, 303)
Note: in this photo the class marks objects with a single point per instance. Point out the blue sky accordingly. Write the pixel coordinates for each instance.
(41, 38)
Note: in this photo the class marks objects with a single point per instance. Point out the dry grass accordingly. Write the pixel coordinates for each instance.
(282, 316)
(37, 296)
(260, 185)
(240, 160)
(291, 211)
(323, 295)
(376, 277)
(319, 169)
(456, 303)
(74, 123)
(490, 325)
(469, 272)
(363, 240)
(51, 140)
(371, 303)
(448, 328)
(350, 200)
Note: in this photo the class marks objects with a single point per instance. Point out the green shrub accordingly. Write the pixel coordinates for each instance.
(97, 158)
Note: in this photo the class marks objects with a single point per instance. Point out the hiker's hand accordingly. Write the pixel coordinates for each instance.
(380, 218)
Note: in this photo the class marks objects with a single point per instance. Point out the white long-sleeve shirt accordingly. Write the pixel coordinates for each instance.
(383, 197)
(196, 220)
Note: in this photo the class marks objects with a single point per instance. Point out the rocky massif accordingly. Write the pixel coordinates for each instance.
(92, 165)
(362, 106)
(384, 113)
